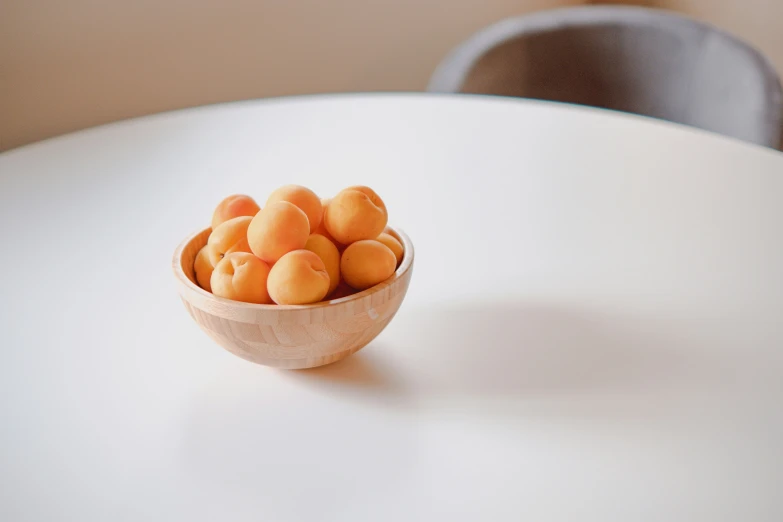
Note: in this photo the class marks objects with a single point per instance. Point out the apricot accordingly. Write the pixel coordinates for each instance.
(329, 254)
(241, 276)
(299, 277)
(302, 197)
(394, 245)
(366, 263)
(277, 229)
(230, 236)
(354, 214)
(232, 207)
(203, 268)
(321, 230)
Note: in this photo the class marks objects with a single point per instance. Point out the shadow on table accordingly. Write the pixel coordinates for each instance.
(432, 371)
(515, 348)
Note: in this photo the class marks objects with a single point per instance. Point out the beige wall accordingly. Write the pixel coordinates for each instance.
(66, 65)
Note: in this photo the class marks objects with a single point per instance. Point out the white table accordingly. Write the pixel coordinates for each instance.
(593, 332)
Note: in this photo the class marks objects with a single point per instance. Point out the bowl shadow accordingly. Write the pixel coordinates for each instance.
(533, 348)
(521, 348)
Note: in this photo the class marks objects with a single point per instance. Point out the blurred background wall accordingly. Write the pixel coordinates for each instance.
(67, 65)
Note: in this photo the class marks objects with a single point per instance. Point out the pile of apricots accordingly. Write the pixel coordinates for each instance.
(298, 249)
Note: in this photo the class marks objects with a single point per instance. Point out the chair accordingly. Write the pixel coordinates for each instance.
(632, 59)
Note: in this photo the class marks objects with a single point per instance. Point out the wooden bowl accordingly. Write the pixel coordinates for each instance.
(290, 336)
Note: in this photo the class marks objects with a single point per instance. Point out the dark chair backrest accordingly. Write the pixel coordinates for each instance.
(638, 60)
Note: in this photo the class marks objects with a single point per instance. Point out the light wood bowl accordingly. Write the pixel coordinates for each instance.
(286, 336)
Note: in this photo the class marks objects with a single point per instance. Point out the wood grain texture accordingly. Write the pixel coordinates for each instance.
(289, 336)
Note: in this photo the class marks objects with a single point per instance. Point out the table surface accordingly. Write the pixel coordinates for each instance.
(593, 330)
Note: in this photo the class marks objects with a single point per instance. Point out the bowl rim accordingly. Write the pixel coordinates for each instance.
(405, 266)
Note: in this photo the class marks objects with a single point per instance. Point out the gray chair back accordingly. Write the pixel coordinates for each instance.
(638, 60)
